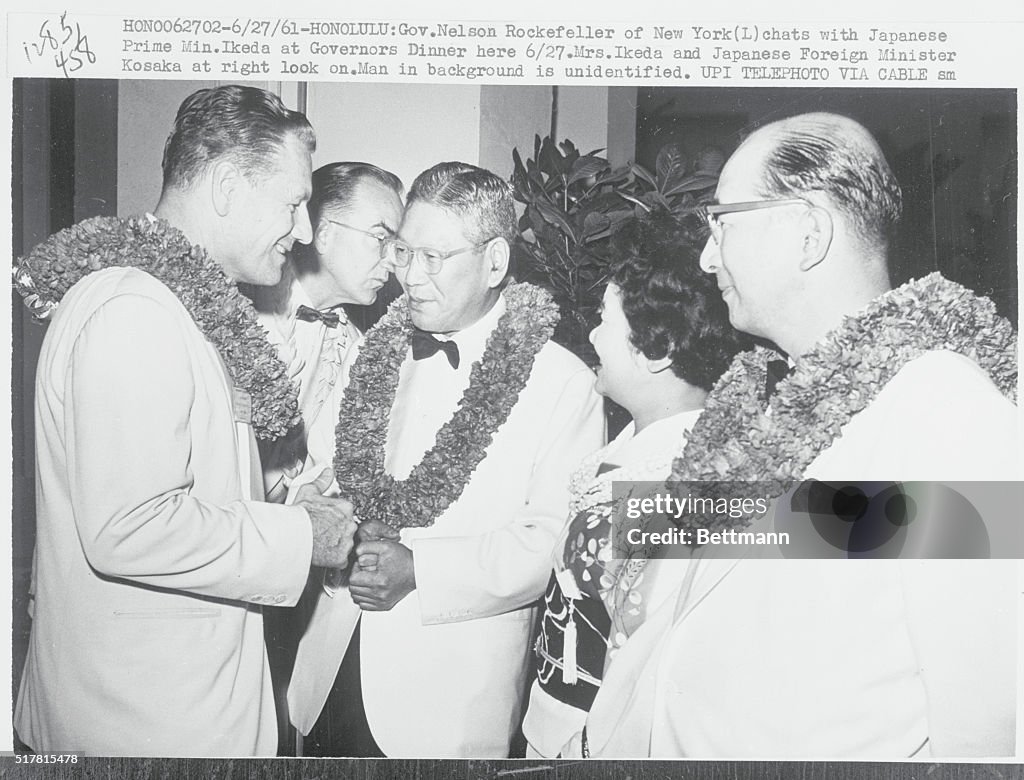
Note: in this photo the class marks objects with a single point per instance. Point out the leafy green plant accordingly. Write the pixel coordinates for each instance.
(575, 202)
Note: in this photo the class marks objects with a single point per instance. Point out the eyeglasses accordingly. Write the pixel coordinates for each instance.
(384, 242)
(432, 259)
(712, 211)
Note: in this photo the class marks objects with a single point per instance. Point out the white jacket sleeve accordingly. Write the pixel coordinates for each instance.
(128, 406)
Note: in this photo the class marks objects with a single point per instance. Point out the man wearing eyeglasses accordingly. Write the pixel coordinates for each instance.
(355, 209)
(833, 658)
(437, 623)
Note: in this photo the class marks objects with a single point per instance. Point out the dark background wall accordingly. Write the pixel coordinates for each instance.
(954, 152)
(63, 169)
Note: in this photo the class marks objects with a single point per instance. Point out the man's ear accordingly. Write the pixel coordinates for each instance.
(225, 182)
(818, 232)
(497, 255)
(320, 238)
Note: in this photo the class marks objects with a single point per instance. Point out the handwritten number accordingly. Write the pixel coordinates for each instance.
(68, 57)
(65, 27)
(82, 46)
(45, 37)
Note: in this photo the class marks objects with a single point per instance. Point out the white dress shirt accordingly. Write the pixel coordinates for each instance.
(429, 391)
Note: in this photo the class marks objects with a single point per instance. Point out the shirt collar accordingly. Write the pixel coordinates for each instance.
(661, 436)
(297, 296)
(472, 340)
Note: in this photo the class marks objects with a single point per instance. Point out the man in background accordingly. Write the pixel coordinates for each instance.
(354, 211)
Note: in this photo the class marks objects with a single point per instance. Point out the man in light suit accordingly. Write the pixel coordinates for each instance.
(154, 550)
(833, 658)
(438, 623)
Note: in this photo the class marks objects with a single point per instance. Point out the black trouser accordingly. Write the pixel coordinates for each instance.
(342, 729)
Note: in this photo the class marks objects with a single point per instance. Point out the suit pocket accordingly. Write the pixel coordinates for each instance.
(163, 614)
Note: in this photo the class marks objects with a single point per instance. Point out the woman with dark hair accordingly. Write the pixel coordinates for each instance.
(663, 340)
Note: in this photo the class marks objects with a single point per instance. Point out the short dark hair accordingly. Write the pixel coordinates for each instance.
(476, 195)
(673, 308)
(244, 124)
(833, 154)
(335, 185)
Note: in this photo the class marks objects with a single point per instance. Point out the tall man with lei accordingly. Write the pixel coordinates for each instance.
(831, 658)
(460, 426)
(154, 549)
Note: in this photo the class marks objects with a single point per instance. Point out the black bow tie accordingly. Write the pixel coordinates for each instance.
(329, 317)
(425, 344)
(777, 370)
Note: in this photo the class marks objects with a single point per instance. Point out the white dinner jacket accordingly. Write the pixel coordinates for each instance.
(840, 658)
(151, 557)
(444, 671)
(314, 355)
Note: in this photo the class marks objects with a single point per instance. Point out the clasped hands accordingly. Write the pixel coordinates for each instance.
(383, 572)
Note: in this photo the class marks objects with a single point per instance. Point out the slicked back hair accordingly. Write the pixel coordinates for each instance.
(244, 124)
(335, 186)
(833, 154)
(480, 198)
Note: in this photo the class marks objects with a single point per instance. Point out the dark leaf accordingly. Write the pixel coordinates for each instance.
(594, 223)
(556, 217)
(570, 152)
(639, 203)
(613, 176)
(536, 220)
(551, 160)
(693, 183)
(670, 162)
(642, 173)
(710, 160)
(585, 167)
(655, 198)
(599, 236)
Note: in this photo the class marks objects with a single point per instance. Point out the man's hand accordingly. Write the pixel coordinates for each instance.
(374, 531)
(391, 578)
(333, 522)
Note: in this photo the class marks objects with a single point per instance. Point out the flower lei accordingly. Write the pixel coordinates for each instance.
(223, 315)
(494, 386)
(735, 440)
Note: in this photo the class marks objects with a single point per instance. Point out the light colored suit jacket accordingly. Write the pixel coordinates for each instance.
(443, 672)
(152, 557)
(839, 658)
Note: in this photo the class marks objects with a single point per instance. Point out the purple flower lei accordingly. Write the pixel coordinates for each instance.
(224, 316)
(495, 382)
(734, 440)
